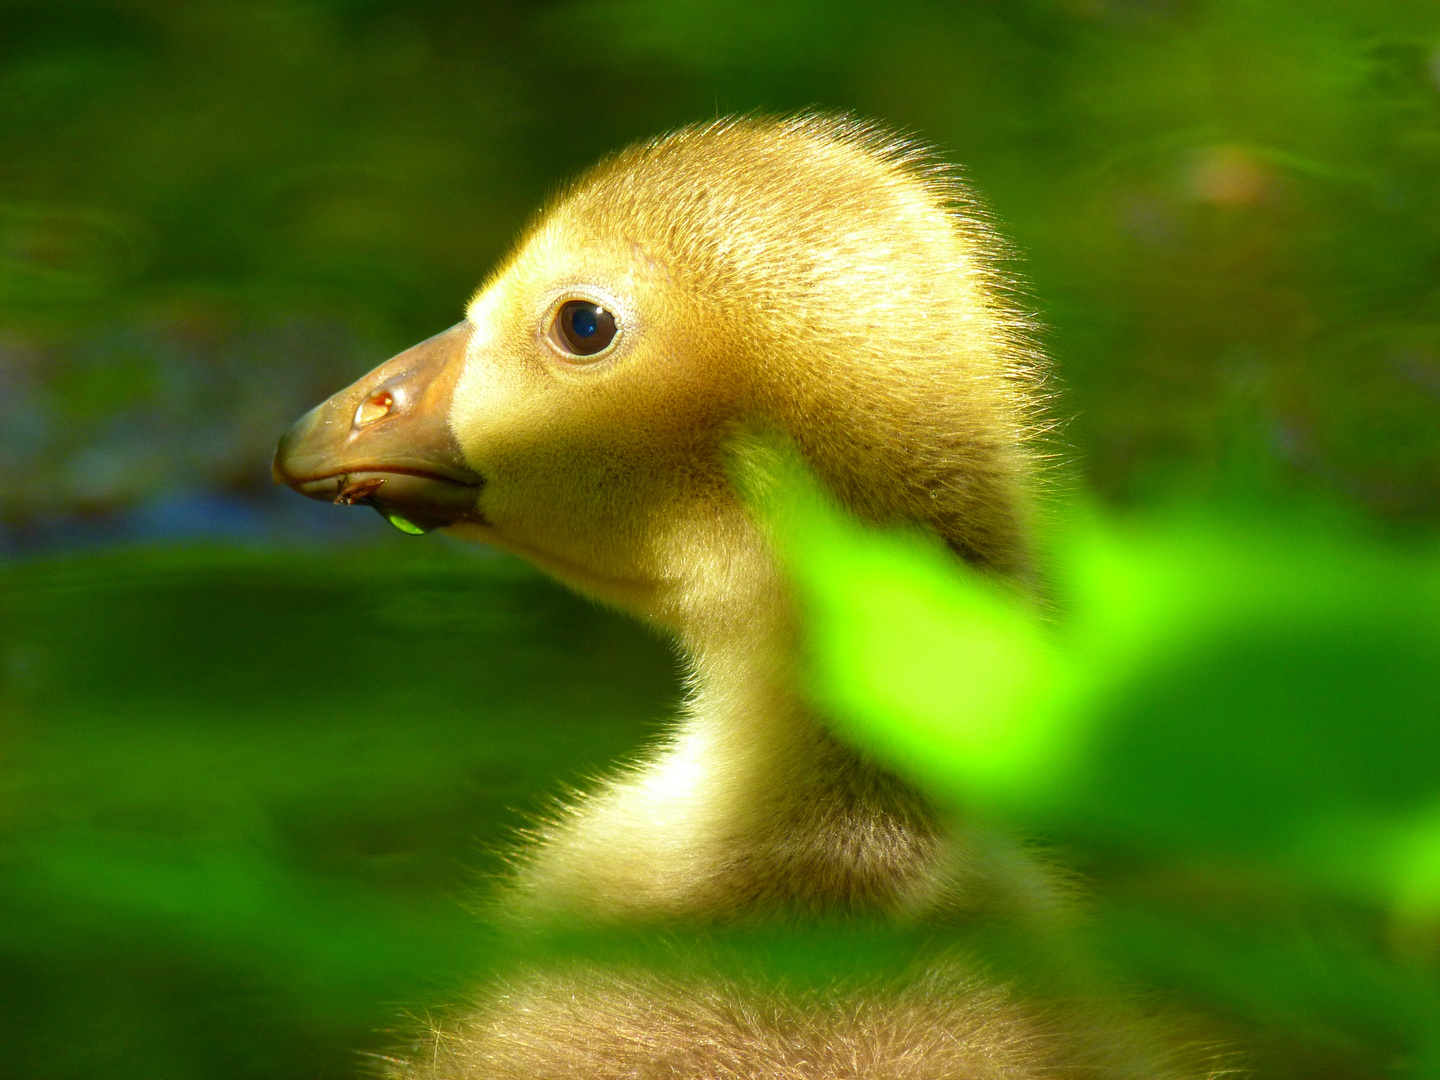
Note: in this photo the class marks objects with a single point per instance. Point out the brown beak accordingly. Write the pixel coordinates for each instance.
(386, 441)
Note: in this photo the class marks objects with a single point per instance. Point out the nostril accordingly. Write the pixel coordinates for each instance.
(373, 408)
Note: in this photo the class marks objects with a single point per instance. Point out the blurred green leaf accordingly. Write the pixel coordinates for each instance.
(1275, 696)
(939, 669)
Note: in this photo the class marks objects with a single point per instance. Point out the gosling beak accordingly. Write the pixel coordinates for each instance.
(386, 442)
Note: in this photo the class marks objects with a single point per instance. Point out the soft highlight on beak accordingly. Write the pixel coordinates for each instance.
(386, 441)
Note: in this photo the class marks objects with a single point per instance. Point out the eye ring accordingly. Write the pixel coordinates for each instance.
(583, 328)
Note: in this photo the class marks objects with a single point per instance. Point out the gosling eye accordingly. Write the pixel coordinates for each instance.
(583, 328)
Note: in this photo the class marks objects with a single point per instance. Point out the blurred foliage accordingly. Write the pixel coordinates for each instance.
(212, 213)
(246, 794)
(1249, 715)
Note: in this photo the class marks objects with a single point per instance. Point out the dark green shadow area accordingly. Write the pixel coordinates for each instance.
(1267, 731)
(246, 795)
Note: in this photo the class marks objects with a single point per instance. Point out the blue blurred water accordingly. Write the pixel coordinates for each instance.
(277, 518)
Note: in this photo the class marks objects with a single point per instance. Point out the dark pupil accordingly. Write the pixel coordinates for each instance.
(584, 328)
(583, 321)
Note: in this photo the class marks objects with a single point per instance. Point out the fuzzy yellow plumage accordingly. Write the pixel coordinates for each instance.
(811, 277)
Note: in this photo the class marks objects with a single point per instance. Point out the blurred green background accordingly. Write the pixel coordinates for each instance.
(255, 752)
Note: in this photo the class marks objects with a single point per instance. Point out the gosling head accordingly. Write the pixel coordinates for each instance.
(806, 275)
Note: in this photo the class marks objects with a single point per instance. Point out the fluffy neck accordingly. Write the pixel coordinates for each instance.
(751, 804)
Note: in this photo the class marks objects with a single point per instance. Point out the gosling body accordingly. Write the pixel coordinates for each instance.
(807, 277)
